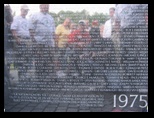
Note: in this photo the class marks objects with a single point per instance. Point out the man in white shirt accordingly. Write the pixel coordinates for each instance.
(20, 25)
(130, 19)
(44, 26)
(20, 31)
(108, 24)
(43, 31)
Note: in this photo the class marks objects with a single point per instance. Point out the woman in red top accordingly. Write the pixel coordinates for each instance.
(78, 40)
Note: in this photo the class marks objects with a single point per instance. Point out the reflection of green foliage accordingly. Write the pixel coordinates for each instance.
(76, 16)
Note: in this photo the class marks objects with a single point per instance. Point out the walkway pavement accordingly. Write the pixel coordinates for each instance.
(55, 100)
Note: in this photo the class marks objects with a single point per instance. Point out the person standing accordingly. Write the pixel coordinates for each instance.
(80, 38)
(108, 24)
(21, 34)
(70, 49)
(8, 18)
(73, 27)
(87, 25)
(101, 30)
(42, 27)
(130, 19)
(94, 33)
(62, 32)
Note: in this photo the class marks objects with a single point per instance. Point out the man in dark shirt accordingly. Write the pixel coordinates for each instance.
(8, 46)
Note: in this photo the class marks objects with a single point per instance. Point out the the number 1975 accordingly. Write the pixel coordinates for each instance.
(124, 99)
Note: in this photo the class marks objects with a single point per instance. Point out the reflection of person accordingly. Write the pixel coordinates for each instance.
(70, 47)
(101, 30)
(20, 30)
(95, 30)
(114, 35)
(73, 27)
(130, 18)
(7, 21)
(43, 32)
(95, 35)
(87, 25)
(62, 32)
(80, 38)
(108, 24)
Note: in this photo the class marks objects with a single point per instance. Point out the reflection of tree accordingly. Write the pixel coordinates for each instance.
(76, 16)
